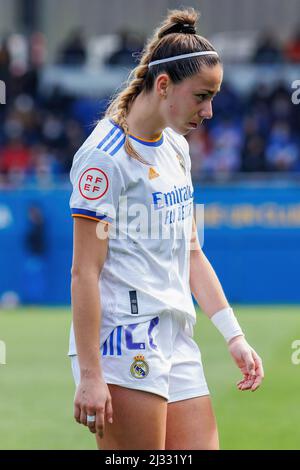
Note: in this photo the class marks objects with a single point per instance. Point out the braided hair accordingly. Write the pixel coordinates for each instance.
(176, 35)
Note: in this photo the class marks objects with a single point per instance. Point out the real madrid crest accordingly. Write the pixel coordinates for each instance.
(181, 162)
(139, 369)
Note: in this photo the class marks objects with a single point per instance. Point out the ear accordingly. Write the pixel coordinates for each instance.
(162, 84)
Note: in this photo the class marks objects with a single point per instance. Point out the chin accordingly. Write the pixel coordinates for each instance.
(180, 130)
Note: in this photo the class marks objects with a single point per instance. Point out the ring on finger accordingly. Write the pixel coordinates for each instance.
(91, 418)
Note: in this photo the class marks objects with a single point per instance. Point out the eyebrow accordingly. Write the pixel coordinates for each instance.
(209, 92)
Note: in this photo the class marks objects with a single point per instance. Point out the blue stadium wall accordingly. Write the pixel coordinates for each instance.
(251, 236)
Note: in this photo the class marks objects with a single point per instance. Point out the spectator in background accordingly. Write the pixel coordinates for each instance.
(39, 133)
(227, 103)
(73, 51)
(282, 152)
(200, 151)
(53, 131)
(292, 47)
(281, 104)
(15, 159)
(253, 154)
(227, 141)
(253, 149)
(4, 60)
(130, 44)
(257, 112)
(46, 165)
(35, 263)
(268, 50)
(38, 49)
(35, 237)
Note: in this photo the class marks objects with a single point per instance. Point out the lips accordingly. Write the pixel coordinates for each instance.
(193, 125)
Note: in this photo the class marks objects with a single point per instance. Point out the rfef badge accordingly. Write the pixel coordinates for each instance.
(93, 184)
(139, 368)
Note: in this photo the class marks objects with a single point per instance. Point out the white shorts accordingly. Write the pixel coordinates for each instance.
(157, 356)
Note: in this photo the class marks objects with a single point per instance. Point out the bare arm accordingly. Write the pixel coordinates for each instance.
(92, 396)
(89, 254)
(209, 294)
(204, 283)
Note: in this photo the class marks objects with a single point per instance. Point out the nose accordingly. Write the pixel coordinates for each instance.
(206, 111)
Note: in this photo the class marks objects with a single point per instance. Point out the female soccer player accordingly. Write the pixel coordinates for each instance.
(137, 369)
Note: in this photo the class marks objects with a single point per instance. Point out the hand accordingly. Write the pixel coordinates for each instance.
(248, 361)
(93, 398)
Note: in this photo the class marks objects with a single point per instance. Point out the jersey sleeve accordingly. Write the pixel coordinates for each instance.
(97, 184)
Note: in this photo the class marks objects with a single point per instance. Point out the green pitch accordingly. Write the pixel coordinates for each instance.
(36, 385)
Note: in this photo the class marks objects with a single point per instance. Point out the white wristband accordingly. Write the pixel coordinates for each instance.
(225, 321)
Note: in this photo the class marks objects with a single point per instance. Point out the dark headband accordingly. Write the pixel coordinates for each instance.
(184, 28)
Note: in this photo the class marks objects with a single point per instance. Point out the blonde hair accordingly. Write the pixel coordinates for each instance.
(176, 35)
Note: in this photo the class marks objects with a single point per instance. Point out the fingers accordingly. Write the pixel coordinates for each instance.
(259, 370)
(83, 417)
(253, 379)
(109, 411)
(95, 426)
(246, 383)
(250, 383)
(100, 422)
(86, 418)
(91, 420)
(250, 364)
(256, 383)
(77, 413)
(101, 415)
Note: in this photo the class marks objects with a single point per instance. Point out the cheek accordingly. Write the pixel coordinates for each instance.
(173, 111)
(177, 108)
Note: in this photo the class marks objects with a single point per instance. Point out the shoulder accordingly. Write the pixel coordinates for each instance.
(110, 137)
(102, 149)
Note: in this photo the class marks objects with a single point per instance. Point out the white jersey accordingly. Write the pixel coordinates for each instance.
(150, 209)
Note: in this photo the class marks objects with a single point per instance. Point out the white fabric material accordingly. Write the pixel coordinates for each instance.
(157, 269)
(170, 360)
(181, 56)
(226, 322)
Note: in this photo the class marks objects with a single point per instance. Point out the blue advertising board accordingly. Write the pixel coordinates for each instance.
(251, 237)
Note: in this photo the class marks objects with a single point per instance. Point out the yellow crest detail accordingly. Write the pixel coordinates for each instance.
(152, 173)
(181, 162)
(139, 369)
(139, 357)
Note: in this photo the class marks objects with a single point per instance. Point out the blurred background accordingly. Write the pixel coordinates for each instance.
(60, 61)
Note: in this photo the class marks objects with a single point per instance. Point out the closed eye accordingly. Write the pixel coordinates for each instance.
(202, 96)
(205, 96)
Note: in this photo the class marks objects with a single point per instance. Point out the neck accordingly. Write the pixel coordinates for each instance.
(143, 119)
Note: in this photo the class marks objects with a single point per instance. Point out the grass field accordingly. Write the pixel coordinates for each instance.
(36, 385)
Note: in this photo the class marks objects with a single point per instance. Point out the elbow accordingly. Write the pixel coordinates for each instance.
(195, 253)
(81, 273)
(75, 272)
